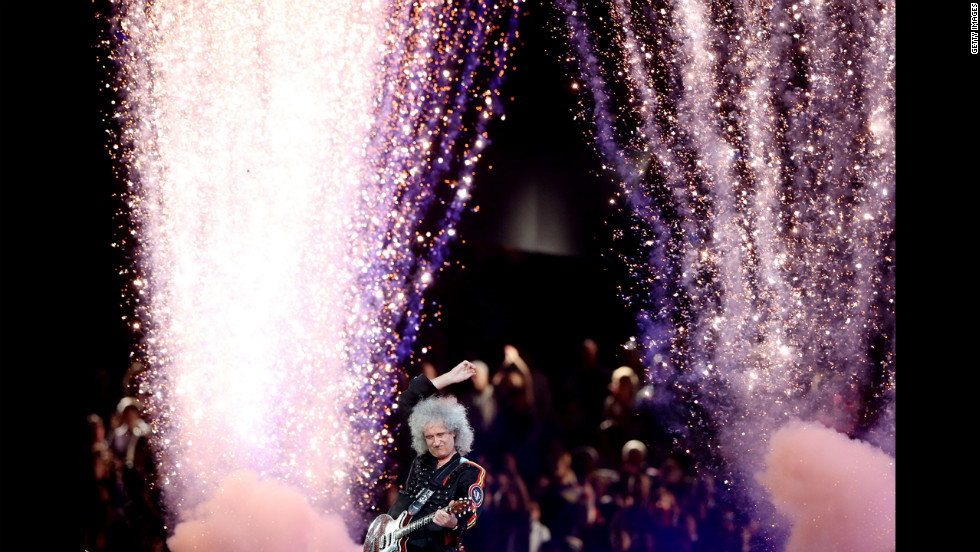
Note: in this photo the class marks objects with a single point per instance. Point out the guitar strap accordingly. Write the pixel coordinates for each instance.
(427, 492)
(420, 501)
(437, 479)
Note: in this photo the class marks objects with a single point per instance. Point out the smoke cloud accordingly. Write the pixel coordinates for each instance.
(247, 514)
(839, 493)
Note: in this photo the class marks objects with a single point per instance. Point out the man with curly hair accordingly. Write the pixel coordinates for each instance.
(441, 434)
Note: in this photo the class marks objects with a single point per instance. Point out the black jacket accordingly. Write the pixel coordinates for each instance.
(458, 478)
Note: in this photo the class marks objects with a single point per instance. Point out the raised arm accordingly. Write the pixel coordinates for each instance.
(421, 387)
(462, 372)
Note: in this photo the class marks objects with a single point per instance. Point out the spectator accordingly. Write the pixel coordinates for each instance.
(517, 425)
(106, 527)
(620, 422)
(634, 458)
(131, 443)
(584, 390)
(131, 432)
(602, 508)
(480, 401)
(564, 502)
(671, 524)
(585, 459)
(512, 526)
(540, 533)
(618, 409)
(632, 526)
(97, 433)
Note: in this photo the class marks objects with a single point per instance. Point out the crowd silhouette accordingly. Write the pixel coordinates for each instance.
(572, 465)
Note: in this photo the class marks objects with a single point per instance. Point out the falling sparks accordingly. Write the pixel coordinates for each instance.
(296, 174)
(755, 147)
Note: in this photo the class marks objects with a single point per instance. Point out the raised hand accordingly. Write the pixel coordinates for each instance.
(461, 372)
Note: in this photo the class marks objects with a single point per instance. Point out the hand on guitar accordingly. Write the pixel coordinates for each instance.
(446, 519)
(389, 535)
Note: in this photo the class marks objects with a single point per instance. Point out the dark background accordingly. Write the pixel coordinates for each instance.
(536, 272)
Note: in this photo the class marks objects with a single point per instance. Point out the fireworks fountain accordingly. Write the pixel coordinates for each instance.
(754, 143)
(295, 175)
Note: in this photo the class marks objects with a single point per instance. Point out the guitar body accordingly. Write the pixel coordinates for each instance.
(380, 537)
(387, 534)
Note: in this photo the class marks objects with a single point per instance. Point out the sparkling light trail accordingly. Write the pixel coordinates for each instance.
(296, 171)
(755, 147)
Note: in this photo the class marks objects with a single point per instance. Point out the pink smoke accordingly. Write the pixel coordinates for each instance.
(247, 514)
(838, 492)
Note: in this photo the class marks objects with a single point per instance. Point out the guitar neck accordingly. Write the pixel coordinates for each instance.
(400, 533)
(413, 525)
(388, 542)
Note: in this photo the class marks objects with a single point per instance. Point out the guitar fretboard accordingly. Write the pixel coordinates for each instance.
(397, 534)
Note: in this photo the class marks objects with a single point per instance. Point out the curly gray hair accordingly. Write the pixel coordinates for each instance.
(447, 411)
